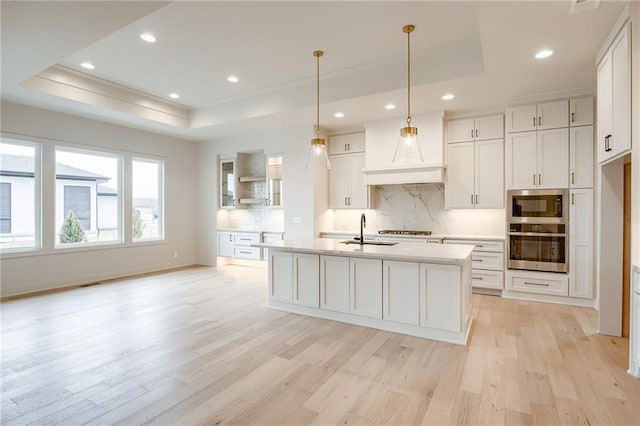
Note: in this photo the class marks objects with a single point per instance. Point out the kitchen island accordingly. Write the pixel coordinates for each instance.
(413, 288)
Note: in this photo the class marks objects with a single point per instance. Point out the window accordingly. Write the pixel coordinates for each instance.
(5, 207)
(147, 183)
(19, 195)
(87, 197)
(77, 199)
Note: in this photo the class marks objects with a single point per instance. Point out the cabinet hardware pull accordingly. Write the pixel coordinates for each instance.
(573, 117)
(349, 147)
(345, 146)
(539, 179)
(471, 133)
(476, 199)
(477, 260)
(479, 246)
(476, 133)
(245, 252)
(345, 201)
(539, 284)
(349, 199)
(472, 199)
(534, 122)
(573, 177)
(539, 120)
(573, 199)
(534, 179)
(476, 278)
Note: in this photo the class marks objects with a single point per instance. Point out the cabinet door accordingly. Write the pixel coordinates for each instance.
(338, 145)
(225, 244)
(440, 297)
(581, 244)
(553, 158)
(306, 279)
(491, 127)
(604, 107)
(356, 142)
(274, 180)
(459, 188)
(358, 197)
(366, 287)
(521, 118)
(581, 157)
(621, 89)
(460, 130)
(581, 111)
(489, 174)
(401, 291)
(521, 161)
(280, 276)
(227, 183)
(339, 182)
(552, 115)
(334, 283)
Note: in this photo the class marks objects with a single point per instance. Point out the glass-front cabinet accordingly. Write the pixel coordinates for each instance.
(274, 180)
(227, 183)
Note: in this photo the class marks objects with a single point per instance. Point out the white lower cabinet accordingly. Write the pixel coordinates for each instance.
(581, 244)
(487, 261)
(554, 284)
(306, 279)
(225, 244)
(334, 283)
(366, 287)
(440, 297)
(280, 276)
(401, 291)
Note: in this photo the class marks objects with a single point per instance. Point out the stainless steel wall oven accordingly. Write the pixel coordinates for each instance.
(538, 230)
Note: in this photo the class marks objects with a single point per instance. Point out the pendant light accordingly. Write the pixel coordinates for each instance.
(318, 151)
(408, 149)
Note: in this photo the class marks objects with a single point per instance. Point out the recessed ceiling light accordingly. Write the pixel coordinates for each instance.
(88, 65)
(544, 54)
(174, 95)
(148, 37)
(338, 114)
(389, 106)
(448, 97)
(233, 79)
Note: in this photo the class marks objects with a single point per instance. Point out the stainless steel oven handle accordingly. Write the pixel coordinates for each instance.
(538, 234)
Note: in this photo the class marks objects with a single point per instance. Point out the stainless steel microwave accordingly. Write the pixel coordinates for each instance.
(538, 206)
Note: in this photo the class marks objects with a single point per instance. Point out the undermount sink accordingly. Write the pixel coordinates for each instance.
(370, 243)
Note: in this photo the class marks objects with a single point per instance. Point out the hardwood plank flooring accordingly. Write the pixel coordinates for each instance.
(198, 346)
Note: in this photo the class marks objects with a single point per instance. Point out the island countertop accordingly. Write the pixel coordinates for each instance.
(405, 251)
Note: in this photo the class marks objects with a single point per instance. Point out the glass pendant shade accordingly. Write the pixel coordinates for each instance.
(318, 155)
(408, 149)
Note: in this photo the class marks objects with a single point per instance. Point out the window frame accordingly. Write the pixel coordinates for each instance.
(161, 196)
(37, 194)
(98, 152)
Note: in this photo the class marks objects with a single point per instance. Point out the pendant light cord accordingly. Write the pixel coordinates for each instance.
(408, 78)
(317, 96)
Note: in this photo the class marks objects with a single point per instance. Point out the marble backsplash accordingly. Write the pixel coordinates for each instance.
(420, 207)
(257, 218)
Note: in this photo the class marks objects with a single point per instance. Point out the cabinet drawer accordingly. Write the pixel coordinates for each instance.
(542, 283)
(480, 245)
(487, 279)
(243, 239)
(487, 260)
(246, 252)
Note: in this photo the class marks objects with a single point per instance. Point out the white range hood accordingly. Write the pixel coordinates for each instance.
(381, 140)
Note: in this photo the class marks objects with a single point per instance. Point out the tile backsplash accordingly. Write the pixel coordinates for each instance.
(420, 207)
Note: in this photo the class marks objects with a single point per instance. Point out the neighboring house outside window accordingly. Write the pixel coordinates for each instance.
(78, 200)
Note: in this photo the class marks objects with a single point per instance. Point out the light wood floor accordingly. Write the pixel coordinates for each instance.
(198, 346)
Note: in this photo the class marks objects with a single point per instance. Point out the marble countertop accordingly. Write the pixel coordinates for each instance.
(404, 251)
(421, 237)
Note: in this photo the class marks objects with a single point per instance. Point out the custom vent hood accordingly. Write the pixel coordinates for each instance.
(381, 137)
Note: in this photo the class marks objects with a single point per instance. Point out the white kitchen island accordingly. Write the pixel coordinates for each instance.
(413, 288)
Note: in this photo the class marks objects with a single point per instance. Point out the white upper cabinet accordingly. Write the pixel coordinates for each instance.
(542, 116)
(581, 112)
(475, 176)
(342, 144)
(581, 157)
(537, 159)
(474, 129)
(614, 98)
(347, 189)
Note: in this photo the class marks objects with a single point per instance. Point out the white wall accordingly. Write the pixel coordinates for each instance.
(51, 268)
(300, 196)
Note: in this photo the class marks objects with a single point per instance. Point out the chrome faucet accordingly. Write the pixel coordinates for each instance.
(363, 224)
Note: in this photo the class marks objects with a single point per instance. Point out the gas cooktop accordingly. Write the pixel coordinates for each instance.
(403, 232)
